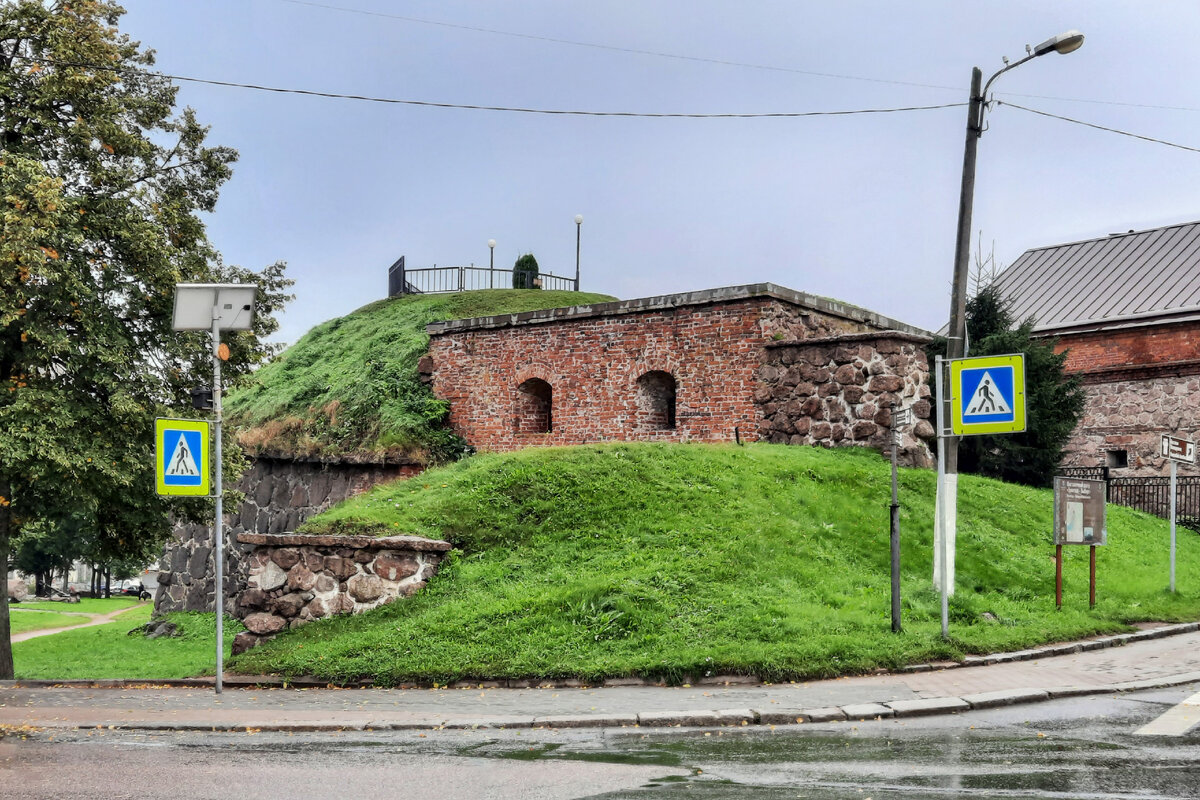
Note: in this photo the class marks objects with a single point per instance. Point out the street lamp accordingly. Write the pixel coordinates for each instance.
(216, 307)
(957, 334)
(491, 263)
(578, 227)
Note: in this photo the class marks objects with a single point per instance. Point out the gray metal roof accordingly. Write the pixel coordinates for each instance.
(1123, 279)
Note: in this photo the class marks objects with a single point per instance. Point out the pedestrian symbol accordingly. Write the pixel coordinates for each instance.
(988, 395)
(181, 457)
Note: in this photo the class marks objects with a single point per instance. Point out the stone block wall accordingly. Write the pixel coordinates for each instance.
(593, 363)
(293, 579)
(280, 494)
(842, 391)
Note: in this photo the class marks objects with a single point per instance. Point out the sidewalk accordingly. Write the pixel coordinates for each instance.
(1166, 656)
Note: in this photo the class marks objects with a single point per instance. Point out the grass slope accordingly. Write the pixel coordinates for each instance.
(22, 620)
(350, 385)
(679, 561)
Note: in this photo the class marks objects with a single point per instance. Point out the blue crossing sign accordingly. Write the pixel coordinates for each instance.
(988, 395)
(181, 457)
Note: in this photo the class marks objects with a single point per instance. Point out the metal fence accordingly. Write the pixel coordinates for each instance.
(1149, 494)
(440, 280)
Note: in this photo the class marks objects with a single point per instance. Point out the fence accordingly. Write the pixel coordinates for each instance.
(440, 280)
(1150, 494)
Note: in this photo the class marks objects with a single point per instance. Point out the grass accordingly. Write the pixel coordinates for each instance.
(349, 388)
(23, 620)
(86, 605)
(677, 561)
(110, 651)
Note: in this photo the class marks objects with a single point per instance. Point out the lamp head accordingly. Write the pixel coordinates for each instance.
(579, 219)
(492, 243)
(1063, 43)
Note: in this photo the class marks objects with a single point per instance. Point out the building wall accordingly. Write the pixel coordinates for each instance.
(593, 366)
(1140, 383)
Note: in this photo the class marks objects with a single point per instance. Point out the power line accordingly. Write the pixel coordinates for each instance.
(1100, 127)
(617, 48)
(512, 109)
(706, 60)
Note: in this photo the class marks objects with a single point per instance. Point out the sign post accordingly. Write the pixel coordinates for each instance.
(900, 418)
(987, 396)
(1176, 449)
(1080, 517)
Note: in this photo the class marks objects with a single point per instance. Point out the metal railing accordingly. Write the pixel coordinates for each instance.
(1150, 494)
(441, 280)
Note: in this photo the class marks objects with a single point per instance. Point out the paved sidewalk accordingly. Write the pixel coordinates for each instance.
(1165, 657)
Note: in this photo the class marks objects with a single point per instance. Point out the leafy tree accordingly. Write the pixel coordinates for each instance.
(101, 189)
(525, 272)
(1053, 400)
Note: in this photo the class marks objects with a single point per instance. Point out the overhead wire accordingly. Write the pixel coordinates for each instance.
(1099, 127)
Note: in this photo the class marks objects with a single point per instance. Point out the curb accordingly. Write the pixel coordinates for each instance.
(313, 682)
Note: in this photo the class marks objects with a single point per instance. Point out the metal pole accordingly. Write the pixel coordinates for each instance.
(1092, 578)
(491, 266)
(1172, 526)
(941, 573)
(895, 534)
(578, 228)
(1058, 576)
(218, 519)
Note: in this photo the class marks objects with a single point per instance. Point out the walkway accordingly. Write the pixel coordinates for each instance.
(94, 619)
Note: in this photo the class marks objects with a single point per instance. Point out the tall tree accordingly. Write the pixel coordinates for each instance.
(101, 190)
(1053, 400)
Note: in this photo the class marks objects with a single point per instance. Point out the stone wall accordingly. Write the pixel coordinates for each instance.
(294, 579)
(280, 494)
(593, 363)
(842, 391)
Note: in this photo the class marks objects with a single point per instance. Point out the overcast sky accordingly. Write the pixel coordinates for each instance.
(860, 208)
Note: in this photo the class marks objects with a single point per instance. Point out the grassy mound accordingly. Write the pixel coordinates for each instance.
(678, 561)
(349, 387)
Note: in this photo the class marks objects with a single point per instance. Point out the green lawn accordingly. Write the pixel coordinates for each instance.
(86, 605)
(676, 561)
(22, 620)
(109, 651)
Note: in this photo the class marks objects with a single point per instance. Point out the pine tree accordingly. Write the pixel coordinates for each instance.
(101, 187)
(1053, 400)
(525, 272)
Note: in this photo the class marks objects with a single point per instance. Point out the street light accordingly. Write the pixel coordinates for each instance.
(956, 335)
(216, 307)
(578, 227)
(491, 263)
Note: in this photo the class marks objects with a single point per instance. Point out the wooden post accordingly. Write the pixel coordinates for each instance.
(1092, 579)
(1058, 576)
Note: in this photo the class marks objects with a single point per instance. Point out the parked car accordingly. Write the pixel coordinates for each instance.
(132, 588)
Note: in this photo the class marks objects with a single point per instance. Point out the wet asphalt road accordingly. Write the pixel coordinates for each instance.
(1079, 748)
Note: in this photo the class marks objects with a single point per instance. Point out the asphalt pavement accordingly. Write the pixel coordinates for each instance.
(1160, 656)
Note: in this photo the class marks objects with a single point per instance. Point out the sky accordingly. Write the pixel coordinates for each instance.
(862, 208)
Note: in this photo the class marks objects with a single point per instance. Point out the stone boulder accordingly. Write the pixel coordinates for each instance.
(17, 589)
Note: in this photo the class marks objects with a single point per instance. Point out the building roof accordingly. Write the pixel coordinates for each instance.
(1121, 280)
(727, 294)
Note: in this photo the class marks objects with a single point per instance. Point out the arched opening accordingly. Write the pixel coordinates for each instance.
(534, 405)
(656, 401)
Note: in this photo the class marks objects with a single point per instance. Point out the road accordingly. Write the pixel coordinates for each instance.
(1086, 747)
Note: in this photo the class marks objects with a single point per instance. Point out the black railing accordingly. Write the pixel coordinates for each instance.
(441, 280)
(1149, 494)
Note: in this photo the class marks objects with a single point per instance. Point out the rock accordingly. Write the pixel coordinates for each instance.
(852, 394)
(326, 584)
(245, 641)
(271, 577)
(316, 608)
(820, 430)
(340, 568)
(762, 395)
(365, 588)
(886, 383)
(287, 606)
(408, 590)
(391, 566)
(923, 430)
(17, 590)
(425, 365)
(285, 557)
(863, 430)
(313, 560)
(264, 624)
(252, 599)
(847, 374)
(301, 578)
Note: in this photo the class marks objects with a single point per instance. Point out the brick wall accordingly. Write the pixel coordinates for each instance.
(1154, 345)
(607, 374)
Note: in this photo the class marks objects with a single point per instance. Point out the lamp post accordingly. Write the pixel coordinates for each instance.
(491, 263)
(943, 569)
(578, 227)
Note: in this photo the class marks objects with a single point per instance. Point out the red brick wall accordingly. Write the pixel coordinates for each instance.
(593, 365)
(1134, 347)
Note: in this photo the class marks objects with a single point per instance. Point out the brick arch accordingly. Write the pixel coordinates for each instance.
(533, 390)
(656, 398)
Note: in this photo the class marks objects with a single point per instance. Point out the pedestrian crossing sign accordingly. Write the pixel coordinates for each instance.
(988, 395)
(181, 457)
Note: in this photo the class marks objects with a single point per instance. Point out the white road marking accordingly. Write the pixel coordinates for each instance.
(1176, 722)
